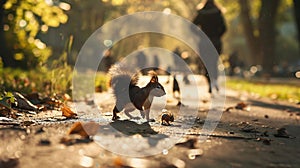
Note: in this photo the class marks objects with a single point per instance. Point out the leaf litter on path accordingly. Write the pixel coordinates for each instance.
(67, 112)
(282, 133)
(84, 130)
(239, 106)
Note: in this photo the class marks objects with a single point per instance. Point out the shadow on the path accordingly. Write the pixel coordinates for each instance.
(271, 105)
(274, 106)
(132, 128)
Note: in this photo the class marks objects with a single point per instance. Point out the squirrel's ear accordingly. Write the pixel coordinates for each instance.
(154, 79)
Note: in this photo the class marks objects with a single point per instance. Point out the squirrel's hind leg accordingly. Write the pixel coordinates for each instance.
(142, 113)
(147, 112)
(115, 111)
(127, 113)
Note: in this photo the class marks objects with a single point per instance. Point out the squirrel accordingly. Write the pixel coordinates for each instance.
(166, 118)
(123, 82)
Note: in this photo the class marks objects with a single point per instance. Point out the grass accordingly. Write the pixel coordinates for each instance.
(29, 81)
(287, 92)
(102, 80)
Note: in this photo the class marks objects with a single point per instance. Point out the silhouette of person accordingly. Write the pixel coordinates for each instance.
(211, 21)
(107, 60)
(176, 91)
(141, 60)
(156, 63)
(233, 61)
(177, 54)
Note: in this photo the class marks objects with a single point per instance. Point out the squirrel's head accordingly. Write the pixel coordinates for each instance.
(156, 89)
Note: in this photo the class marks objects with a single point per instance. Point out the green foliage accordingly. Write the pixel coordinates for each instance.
(26, 19)
(289, 92)
(44, 81)
(19, 80)
(54, 79)
(60, 75)
(101, 80)
(5, 97)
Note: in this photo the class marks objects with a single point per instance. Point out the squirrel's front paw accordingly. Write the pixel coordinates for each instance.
(115, 118)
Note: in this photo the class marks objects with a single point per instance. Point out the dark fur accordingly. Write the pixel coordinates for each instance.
(125, 89)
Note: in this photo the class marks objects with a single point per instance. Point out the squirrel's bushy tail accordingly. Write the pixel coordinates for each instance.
(122, 77)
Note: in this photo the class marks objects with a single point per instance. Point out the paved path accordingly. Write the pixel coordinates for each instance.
(242, 138)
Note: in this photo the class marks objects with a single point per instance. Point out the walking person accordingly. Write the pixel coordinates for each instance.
(211, 21)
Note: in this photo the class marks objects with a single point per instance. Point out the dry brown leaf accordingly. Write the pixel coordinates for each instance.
(241, 106)
(282, 132)
(118, 162)
(67, 112)
(228, 109)
(22, 103)
(52, 102)
(77, 128)
(85, 130)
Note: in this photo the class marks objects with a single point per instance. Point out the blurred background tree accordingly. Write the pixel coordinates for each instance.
(22, 23)
(261, 32)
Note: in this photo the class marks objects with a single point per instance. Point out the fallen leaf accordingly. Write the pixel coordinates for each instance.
(22, 103)
(229, 108)
(282, 133)
(239, 106)
(33, 98)
(4, 102)
(84, 130)
(52, 102)
(118, 162)
(67, 112)
(98, 89)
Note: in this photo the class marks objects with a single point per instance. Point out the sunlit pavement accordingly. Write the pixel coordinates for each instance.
(242, 138)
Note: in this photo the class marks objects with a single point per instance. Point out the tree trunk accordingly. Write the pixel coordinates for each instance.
(248, 28)
(267, 33)
(297, 17)
(4, 52)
